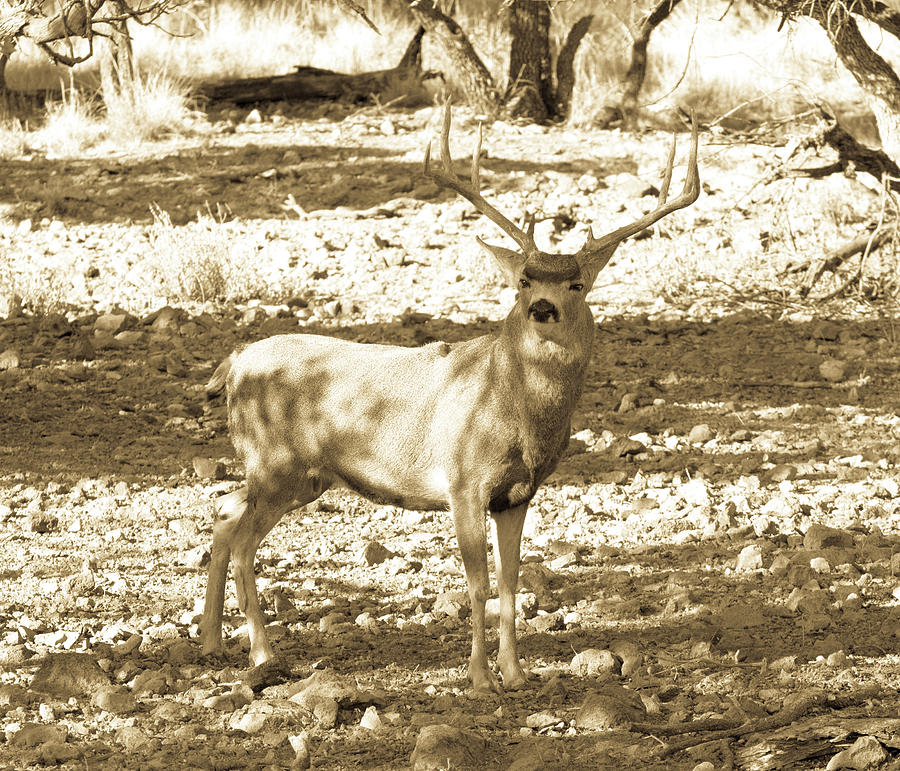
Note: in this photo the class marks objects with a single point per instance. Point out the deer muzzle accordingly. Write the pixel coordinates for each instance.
(543, 311)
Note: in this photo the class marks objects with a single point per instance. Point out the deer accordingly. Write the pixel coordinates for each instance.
(472, 427)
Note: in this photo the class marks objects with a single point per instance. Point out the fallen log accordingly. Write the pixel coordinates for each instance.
(315, 83)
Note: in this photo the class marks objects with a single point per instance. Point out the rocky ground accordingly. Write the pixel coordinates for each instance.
(711, 578)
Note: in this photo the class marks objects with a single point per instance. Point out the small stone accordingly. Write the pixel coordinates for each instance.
(833, 370)
(865, 753)
(33, 734)
(371, 720)
(300, 745)
(750, 558)
(207, 468)
(69, 674)
(133, 739)
(114, 698)
(250, 723)
(595, 661)
(609, 708)
(704, 766)
(442, 746)
(540, 720)
(700, 434)
(820, 565)
(387, 127)
(109, 323)
(41, 522)
(374, 553)
(819, 537)
(56, 753)
(325, 712)
(9, 359)
(254, 116)
(450, 603)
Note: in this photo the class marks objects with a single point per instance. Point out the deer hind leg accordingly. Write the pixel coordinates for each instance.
(261, 515)
(469, 520)
(229, 511)
(507, 550)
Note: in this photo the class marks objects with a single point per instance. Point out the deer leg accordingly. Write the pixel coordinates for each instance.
(469, 520)
(229, 510)
(507, 546)
(259, 518)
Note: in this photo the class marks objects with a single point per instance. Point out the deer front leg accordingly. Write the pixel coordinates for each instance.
(229, 510)
(507, 549)
(469, 520)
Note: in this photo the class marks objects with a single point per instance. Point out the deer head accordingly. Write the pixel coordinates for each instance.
(552, 287)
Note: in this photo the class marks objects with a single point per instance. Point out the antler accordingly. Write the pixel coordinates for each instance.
(601, 249)
(446, 177)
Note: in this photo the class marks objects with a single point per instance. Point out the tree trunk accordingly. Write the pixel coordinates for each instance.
(565, 66)
(874, 75)
(633, 82)
(530, 84)
(474, 77)
(117, 70)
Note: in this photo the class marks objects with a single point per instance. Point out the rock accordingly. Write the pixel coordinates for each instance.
(9, 359)
(630, 654)
(820, 565)
(627, 403)
(595, 661)
(700, 433)
(33, 734)
(114, 698)
(254, 116)
(207, 468)
(866, 752)
(540, 720)
(325, 712)
(109, 323)
(833, 370)
(69, 674)
(819, 537)
(371, 719)
(300, 745)
(443, 746)
(41, 522)
(133, 739)
(326, 684)
(750, 558)
(450, 603)
(14, 655)
(609, 708)
(250, 723)
(374, 553)
(56, 753)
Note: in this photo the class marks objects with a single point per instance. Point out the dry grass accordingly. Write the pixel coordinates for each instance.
(203, 261)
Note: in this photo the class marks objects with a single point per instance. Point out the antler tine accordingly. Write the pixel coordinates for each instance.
(602, 248)
(446, 177)
(667, 175)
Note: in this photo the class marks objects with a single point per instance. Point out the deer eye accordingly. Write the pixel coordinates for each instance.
(576, 287)
(524, 283)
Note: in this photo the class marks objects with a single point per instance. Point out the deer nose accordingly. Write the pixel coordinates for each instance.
(543, 311)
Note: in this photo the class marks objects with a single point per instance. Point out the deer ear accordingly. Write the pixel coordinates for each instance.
(508, 260)
(592, 263)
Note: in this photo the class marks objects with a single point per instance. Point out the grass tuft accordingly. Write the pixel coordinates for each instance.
(206, 260)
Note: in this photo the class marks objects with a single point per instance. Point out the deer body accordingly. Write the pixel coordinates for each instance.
(473, 427)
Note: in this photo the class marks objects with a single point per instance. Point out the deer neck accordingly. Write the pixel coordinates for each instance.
(548, 372)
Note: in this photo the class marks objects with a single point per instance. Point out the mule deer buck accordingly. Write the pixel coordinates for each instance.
(472, 427)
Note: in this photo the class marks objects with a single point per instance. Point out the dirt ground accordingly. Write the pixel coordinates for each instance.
(720, 543)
